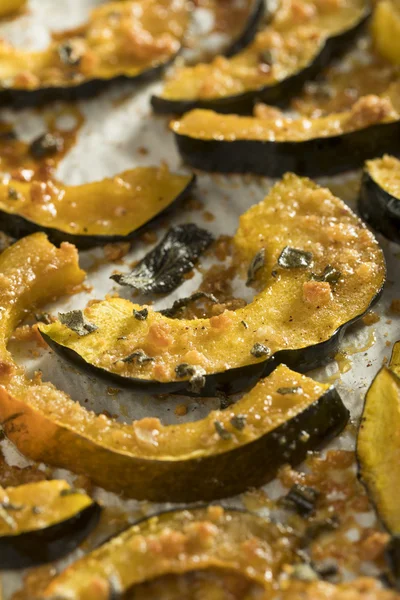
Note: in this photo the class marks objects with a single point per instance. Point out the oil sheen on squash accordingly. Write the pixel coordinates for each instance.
(42, 521)
(108, 210)
(188, 540)
(139, 459)
(378, 444)
(121, 38)
(379, 200)
(292, 311)
(289, 45)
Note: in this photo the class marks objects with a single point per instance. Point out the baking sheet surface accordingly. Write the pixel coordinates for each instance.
(120, 133)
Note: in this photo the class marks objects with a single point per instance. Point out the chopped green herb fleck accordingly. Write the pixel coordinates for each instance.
(180, 304)
(292, 258)
(13, 194)
(222, 432)
(43, 318)
(141, 315)
(69, 55)
(46, 145)
(238, 422)
(290, 390)
(260, 350)
(76, 321)
(244, 324)
(302, 499)
(71, 491)
(266, 57)
(138, 356)
(195, 373)
(329, 274)
(256, 264)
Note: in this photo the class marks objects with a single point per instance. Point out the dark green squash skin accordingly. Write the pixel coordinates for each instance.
(49, 544)
(378, 208)
(227, 382)
(250, 30)
(392, 557)
(278, 93)
(20, 99)
(222, 475)
(313, 158)
(18, 226)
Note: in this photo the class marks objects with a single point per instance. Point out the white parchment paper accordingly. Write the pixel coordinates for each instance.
(118, 125)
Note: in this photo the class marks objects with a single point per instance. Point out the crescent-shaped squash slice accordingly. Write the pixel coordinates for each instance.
(121, 40)
(43, 521)
(309, 146)
(282, 418)
(178, 542)
(9, 7)
(91, 214)
(385, 28)
(320, 270)
(379, 201)
(378, 443)
(300, 42)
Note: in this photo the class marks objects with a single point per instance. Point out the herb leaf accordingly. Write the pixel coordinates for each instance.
(180, 304)
(290, 390)
(141, 315)
(329, 274)
(76, 321)
(139, 357)
(239, 422)
(162, 270)
(195, 373)
(292, 258)
(222, 432)
(46, 145)
(69, 54)
(259, 350)
(302, 499)
(256, 264)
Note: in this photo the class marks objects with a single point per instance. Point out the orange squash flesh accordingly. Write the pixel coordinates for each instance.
(140, 459)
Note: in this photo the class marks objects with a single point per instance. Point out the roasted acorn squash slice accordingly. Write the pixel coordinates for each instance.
(298, 317)
(295, 48)
(309, 146)
(178, 542)
(122, 40)
(42, 521)
(379, 202)
(141, 459)
(378, 443)
(91, 214)
(385, 30)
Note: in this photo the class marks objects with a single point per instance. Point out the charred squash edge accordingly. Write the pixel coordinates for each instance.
(250, 30)
(19, 226)
(207, 559)
(279, 93)
(129, 472)
(378, 207)
(26, 549)
(315, 157)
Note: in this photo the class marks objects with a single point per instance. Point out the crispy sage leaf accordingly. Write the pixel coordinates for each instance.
(329, 274)
(161, 271)
(180, 304)
(141, 315)
(290, 390)
(195, 373)
(292, 258)
(259, 350)
(76, 320)
(256, 264)
(302, 499)
(138, 356)
(46, 145)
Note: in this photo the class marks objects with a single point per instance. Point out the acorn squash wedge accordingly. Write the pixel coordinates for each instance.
(43, 521)
(178, 542)
(379, 201)
(385, 29)
(310, 146)
(91, 214)
(277, 422)
(378, 443)
(298, 44)
(297, 318)
(122, 40)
